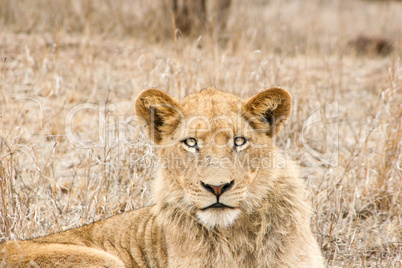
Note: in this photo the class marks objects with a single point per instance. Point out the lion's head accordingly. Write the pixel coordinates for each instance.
(216, 157)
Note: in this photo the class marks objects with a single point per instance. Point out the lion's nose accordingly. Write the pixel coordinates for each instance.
(218, 190)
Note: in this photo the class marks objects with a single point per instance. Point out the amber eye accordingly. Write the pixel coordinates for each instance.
(239, 141)
(190, 142)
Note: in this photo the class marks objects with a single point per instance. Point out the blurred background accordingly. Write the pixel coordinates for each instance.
(71, 151)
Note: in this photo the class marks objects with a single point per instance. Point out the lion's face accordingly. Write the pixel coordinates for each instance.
(213, 147)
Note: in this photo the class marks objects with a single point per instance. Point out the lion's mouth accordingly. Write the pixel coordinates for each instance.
(217, 205)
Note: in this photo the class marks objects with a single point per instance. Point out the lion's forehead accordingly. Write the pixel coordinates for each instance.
(220, 127)
(221, 122)
(211, 103)
(211, 111)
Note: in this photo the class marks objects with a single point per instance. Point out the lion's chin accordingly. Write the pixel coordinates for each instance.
(218, 217)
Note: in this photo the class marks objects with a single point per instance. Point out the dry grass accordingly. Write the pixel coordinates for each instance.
(57, 55)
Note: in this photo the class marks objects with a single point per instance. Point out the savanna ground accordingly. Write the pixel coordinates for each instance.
(71, 151)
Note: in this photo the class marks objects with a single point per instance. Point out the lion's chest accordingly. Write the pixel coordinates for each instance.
(213, 251)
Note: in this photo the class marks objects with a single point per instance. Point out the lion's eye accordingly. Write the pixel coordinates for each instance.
(190, 142)
(239, 141)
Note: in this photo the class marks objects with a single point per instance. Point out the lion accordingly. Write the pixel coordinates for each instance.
(223, 195)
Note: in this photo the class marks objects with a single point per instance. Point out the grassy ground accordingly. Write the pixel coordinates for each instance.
(71, 151)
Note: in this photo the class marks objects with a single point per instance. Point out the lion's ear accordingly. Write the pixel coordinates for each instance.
(267, 109)
(160, 112)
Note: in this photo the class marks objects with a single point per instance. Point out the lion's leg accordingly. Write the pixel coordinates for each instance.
(32, 254)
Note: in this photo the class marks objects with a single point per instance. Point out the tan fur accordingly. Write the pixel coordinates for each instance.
(267, 223)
